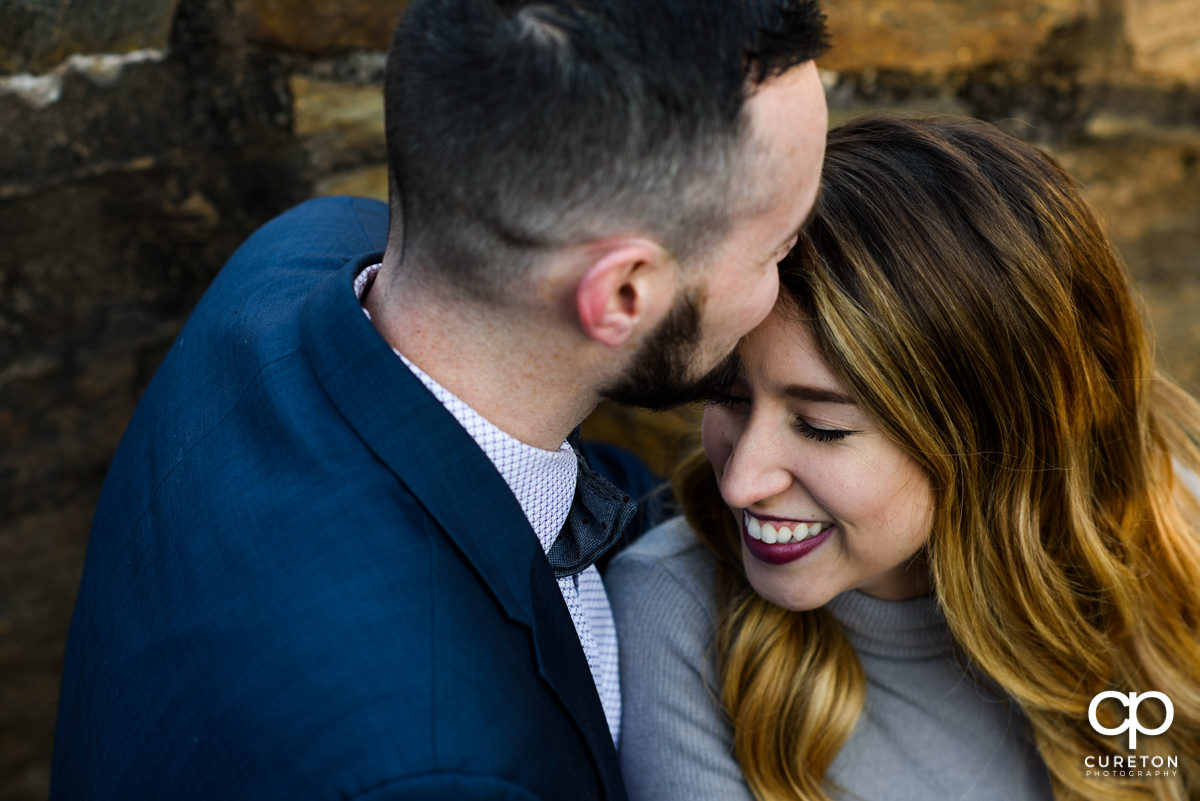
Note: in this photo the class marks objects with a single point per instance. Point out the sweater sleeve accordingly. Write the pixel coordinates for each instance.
(676, 744)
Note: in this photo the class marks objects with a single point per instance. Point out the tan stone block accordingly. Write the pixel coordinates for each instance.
(937, 36)
(321, 26)
(341, 124)
(326, 106)
(1142, 189)
(369, 181)
(1174, 311)
(1164, 36)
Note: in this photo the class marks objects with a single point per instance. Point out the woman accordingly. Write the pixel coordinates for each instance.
(942, 509)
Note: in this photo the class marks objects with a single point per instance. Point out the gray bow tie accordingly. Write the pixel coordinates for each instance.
(599, 513)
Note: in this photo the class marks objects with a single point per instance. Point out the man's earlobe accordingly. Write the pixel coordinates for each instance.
(620, 287)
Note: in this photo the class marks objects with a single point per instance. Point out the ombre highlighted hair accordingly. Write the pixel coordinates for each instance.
(960, 288)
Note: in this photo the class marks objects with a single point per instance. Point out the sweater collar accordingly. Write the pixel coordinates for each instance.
(913, 629)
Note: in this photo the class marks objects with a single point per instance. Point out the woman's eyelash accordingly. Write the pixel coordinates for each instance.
(802, 426)
(807, 429)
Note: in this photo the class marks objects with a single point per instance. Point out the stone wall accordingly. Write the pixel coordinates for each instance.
(141, 140)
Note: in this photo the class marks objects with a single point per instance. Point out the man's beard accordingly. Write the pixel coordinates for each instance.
(660, 376)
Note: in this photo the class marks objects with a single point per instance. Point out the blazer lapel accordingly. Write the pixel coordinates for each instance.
(422, 443)
(562, 664)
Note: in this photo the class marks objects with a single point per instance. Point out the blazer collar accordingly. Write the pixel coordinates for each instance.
(410, 431)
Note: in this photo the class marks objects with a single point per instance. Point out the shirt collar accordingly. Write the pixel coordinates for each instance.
(542, 481)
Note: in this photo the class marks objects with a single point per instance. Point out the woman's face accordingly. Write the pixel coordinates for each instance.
(825, 502)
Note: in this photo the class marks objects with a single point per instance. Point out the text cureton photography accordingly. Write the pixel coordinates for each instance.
(1131, 765)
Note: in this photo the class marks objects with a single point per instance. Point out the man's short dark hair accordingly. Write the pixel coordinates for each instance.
(515, 126)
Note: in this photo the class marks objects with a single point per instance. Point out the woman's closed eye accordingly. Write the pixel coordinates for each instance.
(807, 429)
(733, 401)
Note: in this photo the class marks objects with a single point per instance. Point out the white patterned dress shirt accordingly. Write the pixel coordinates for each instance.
(543, 483)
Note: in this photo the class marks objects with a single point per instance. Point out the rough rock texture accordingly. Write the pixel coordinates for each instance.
(130, 171)
(321, 26)
(35, 35)
(119, 200)
(1164, 36)
(341, 124)
(936, 36)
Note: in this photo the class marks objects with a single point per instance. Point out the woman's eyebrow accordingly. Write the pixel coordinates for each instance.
(816, 394)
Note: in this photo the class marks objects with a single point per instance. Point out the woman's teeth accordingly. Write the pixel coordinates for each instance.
(776, 533)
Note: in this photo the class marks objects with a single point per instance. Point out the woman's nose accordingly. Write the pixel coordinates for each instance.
(755, 467)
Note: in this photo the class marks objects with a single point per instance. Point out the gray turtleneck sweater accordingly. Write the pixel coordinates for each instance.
(928, 729)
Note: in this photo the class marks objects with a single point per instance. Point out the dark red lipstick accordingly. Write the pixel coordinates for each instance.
(782, 553)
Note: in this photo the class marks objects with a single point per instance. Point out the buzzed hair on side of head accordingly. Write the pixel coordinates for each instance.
(518, 126)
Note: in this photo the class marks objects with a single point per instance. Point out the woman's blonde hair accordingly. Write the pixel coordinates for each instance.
(963, 292)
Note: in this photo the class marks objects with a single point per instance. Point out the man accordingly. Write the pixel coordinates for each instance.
(327, 561)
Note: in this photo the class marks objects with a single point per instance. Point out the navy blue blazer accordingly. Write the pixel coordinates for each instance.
(304, 578)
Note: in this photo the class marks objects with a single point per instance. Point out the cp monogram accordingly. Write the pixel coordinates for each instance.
(1131, 702)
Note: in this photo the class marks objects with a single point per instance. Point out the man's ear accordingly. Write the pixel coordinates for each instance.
(630, 282)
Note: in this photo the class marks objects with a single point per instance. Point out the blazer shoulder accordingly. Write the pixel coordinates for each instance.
(326, 226)
(236, 374)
